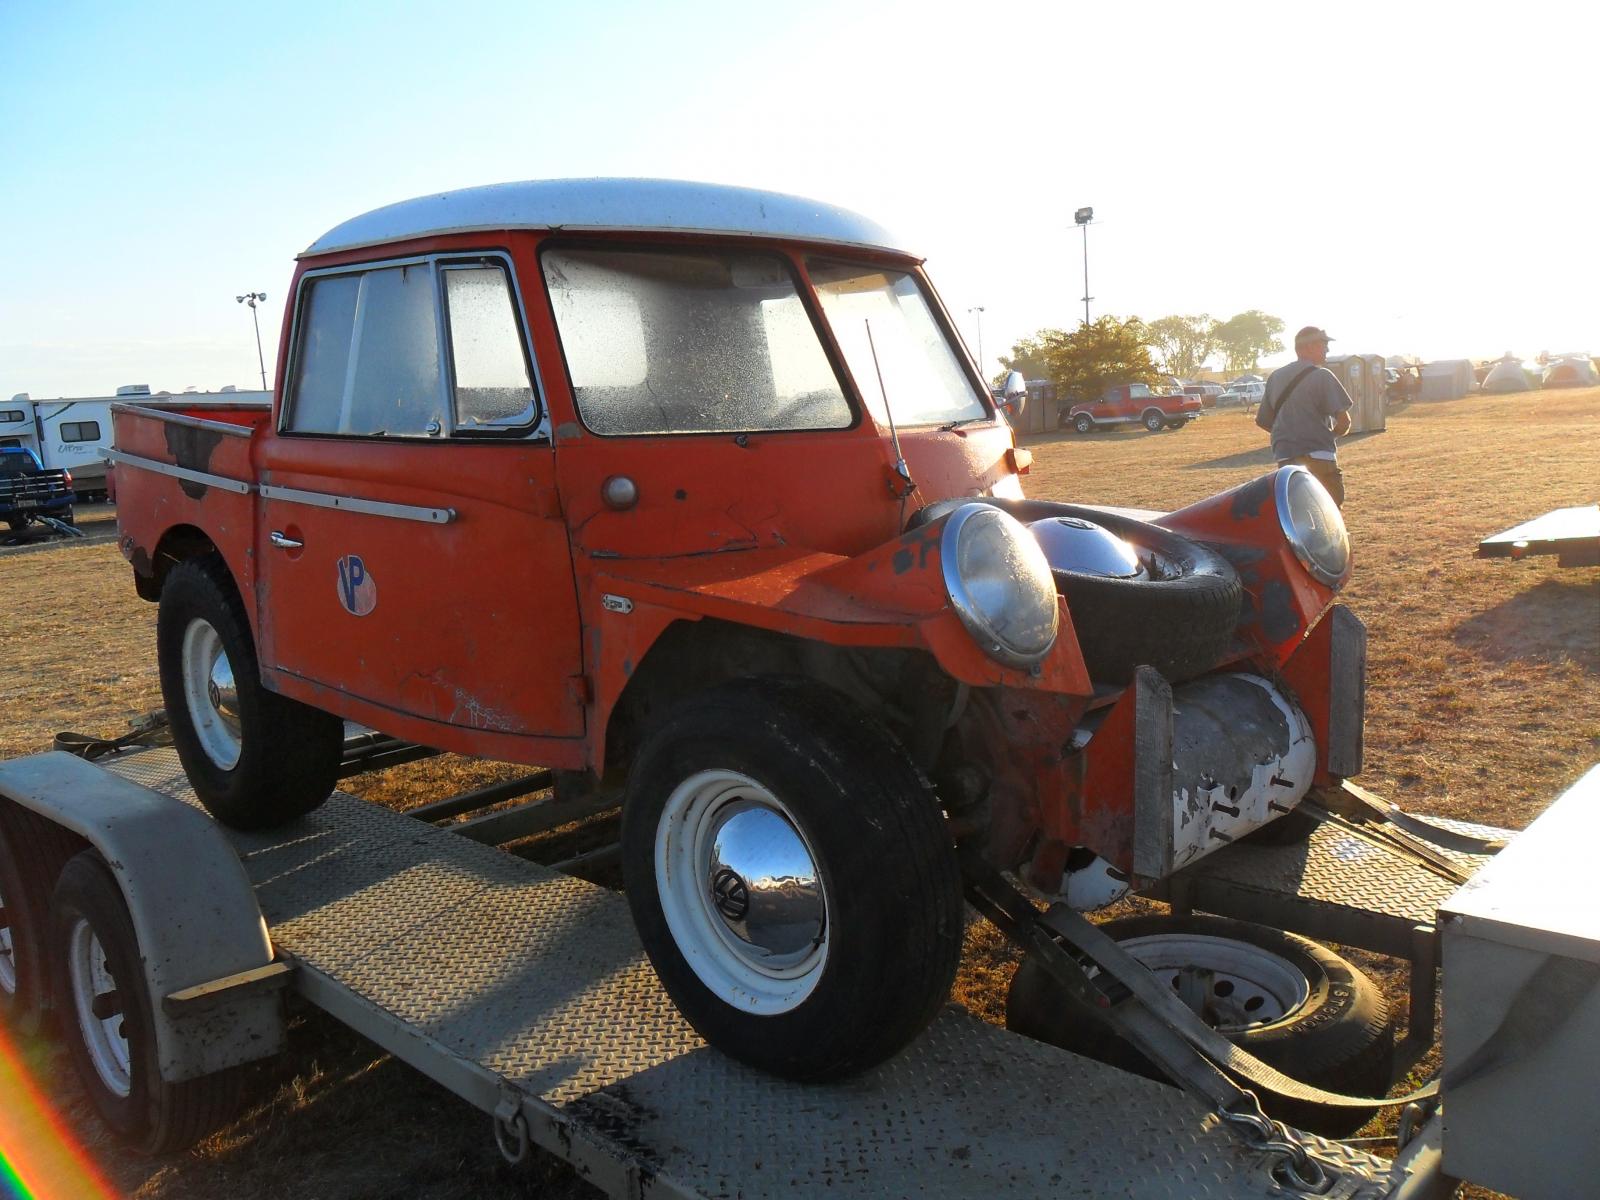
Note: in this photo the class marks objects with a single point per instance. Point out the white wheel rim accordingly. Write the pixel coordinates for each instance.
(772, 967)
(8, 954)
(210, 693)
(1233, 985)
(105, 1038)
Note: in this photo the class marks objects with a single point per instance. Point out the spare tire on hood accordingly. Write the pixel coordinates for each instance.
(1178, 616)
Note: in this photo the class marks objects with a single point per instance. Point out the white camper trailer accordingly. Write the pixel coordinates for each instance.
(75, 433)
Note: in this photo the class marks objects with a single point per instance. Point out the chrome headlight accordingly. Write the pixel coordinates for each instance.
(1000, 585)
(1313, 525)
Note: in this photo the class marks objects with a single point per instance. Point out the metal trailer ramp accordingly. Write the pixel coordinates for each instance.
(1341, 887)
(522, 989)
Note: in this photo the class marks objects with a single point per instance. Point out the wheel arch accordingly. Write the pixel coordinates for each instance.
(180, 542)
(902, 687)
(191, 904)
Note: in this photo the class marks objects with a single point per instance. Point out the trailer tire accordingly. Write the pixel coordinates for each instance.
(1338, 1037)
(857, 953)
(92, 944)
(32, 851)
(256, 759)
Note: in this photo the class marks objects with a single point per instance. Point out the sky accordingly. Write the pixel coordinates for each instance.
(1415, 178)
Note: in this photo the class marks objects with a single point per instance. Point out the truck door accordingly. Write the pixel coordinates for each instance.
(413, 553)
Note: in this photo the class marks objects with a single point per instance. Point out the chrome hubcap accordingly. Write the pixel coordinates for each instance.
(105, 1037)
(742, 892)
(211, 694)
(763, 884)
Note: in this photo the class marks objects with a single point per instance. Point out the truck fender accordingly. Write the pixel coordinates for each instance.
(200, 930)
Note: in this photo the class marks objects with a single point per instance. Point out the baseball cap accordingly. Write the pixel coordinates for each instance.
(1311, 334)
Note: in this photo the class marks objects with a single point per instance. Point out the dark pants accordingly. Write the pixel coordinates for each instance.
(1326, 472)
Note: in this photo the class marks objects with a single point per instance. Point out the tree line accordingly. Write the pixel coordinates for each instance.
(1083, 361)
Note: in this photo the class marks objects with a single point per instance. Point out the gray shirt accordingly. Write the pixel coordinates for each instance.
(1304, 425)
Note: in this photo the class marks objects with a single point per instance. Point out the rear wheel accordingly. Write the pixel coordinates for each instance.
(256, 759)
(107, 1019)
(1083, 423)
(1153, 420)
(791, 878)
(1293, 1004)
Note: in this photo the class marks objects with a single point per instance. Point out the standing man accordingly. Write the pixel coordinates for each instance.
(1306, 409)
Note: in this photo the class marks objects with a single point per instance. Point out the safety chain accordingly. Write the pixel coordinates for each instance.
(1260, 1132)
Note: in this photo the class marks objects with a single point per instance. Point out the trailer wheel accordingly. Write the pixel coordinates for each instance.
(1295, 1005)
(19, 943)
(791, 878)
(32, 850)
(256, 759)
(107, 1019)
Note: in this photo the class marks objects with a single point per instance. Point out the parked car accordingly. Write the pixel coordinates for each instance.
(554, 499)
(1208, 393)
(29, 490)
(1131, 404)
(1247, 394)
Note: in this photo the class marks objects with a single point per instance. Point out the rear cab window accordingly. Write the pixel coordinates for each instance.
(430, 347)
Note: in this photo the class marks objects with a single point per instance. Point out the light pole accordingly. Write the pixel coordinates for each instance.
(1084, 216)
(250, 298)
(978, 308)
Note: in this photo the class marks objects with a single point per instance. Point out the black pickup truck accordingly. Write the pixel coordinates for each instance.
(29, 491)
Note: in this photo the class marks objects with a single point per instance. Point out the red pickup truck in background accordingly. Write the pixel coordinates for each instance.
(1131, 404)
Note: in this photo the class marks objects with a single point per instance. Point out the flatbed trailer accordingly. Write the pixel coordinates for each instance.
(524, 991)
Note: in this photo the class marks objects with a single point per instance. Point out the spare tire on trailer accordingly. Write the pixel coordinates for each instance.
(1327, 1023)
(1179, 618)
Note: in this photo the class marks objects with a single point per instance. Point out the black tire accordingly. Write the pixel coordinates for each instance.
(1340, 1039)
(21, 943)
(32, 851)
(1083, 423)
(1177, 424)
(884, 859)
(1180, 622)
(1290, 829)
(288, 752)
(17, 524)
(1153, 420)
(155, 1116)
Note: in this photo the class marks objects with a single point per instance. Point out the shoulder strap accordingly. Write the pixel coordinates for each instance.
(1287, 392)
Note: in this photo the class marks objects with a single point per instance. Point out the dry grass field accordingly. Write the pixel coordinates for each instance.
(1483, 703)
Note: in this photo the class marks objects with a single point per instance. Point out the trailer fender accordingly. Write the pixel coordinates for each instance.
(208, 960)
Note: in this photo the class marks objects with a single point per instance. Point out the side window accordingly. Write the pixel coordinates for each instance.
(80, 431)
(10, 416)
(488, 369)
(369, 359)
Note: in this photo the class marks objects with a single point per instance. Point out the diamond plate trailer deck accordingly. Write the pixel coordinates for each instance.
(525, 992)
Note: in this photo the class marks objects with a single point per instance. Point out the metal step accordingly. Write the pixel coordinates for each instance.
(504, 979)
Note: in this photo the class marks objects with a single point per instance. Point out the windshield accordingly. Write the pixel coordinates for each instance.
(922, 374)
(12, 465)
(694, 341)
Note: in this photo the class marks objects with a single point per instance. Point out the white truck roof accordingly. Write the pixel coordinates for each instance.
(649, 205)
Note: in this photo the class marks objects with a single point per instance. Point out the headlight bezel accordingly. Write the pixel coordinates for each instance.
(1296, 537)
(965, 605)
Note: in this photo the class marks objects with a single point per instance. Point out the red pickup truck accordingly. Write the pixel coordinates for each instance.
(1131, 404)
(695, 490)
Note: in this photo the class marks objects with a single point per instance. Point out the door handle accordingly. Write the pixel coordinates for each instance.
(283, 543)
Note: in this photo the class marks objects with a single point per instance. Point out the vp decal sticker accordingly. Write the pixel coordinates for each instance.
(357, 590)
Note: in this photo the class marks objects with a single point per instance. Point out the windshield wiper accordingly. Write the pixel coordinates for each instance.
(960, 421)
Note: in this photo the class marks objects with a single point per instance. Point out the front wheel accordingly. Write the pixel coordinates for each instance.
(256, 759)
(108, 1019)
(791, 878)
(1083, 423)
(1153, 421)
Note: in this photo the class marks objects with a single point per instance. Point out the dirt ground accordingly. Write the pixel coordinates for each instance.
(1483, 704)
